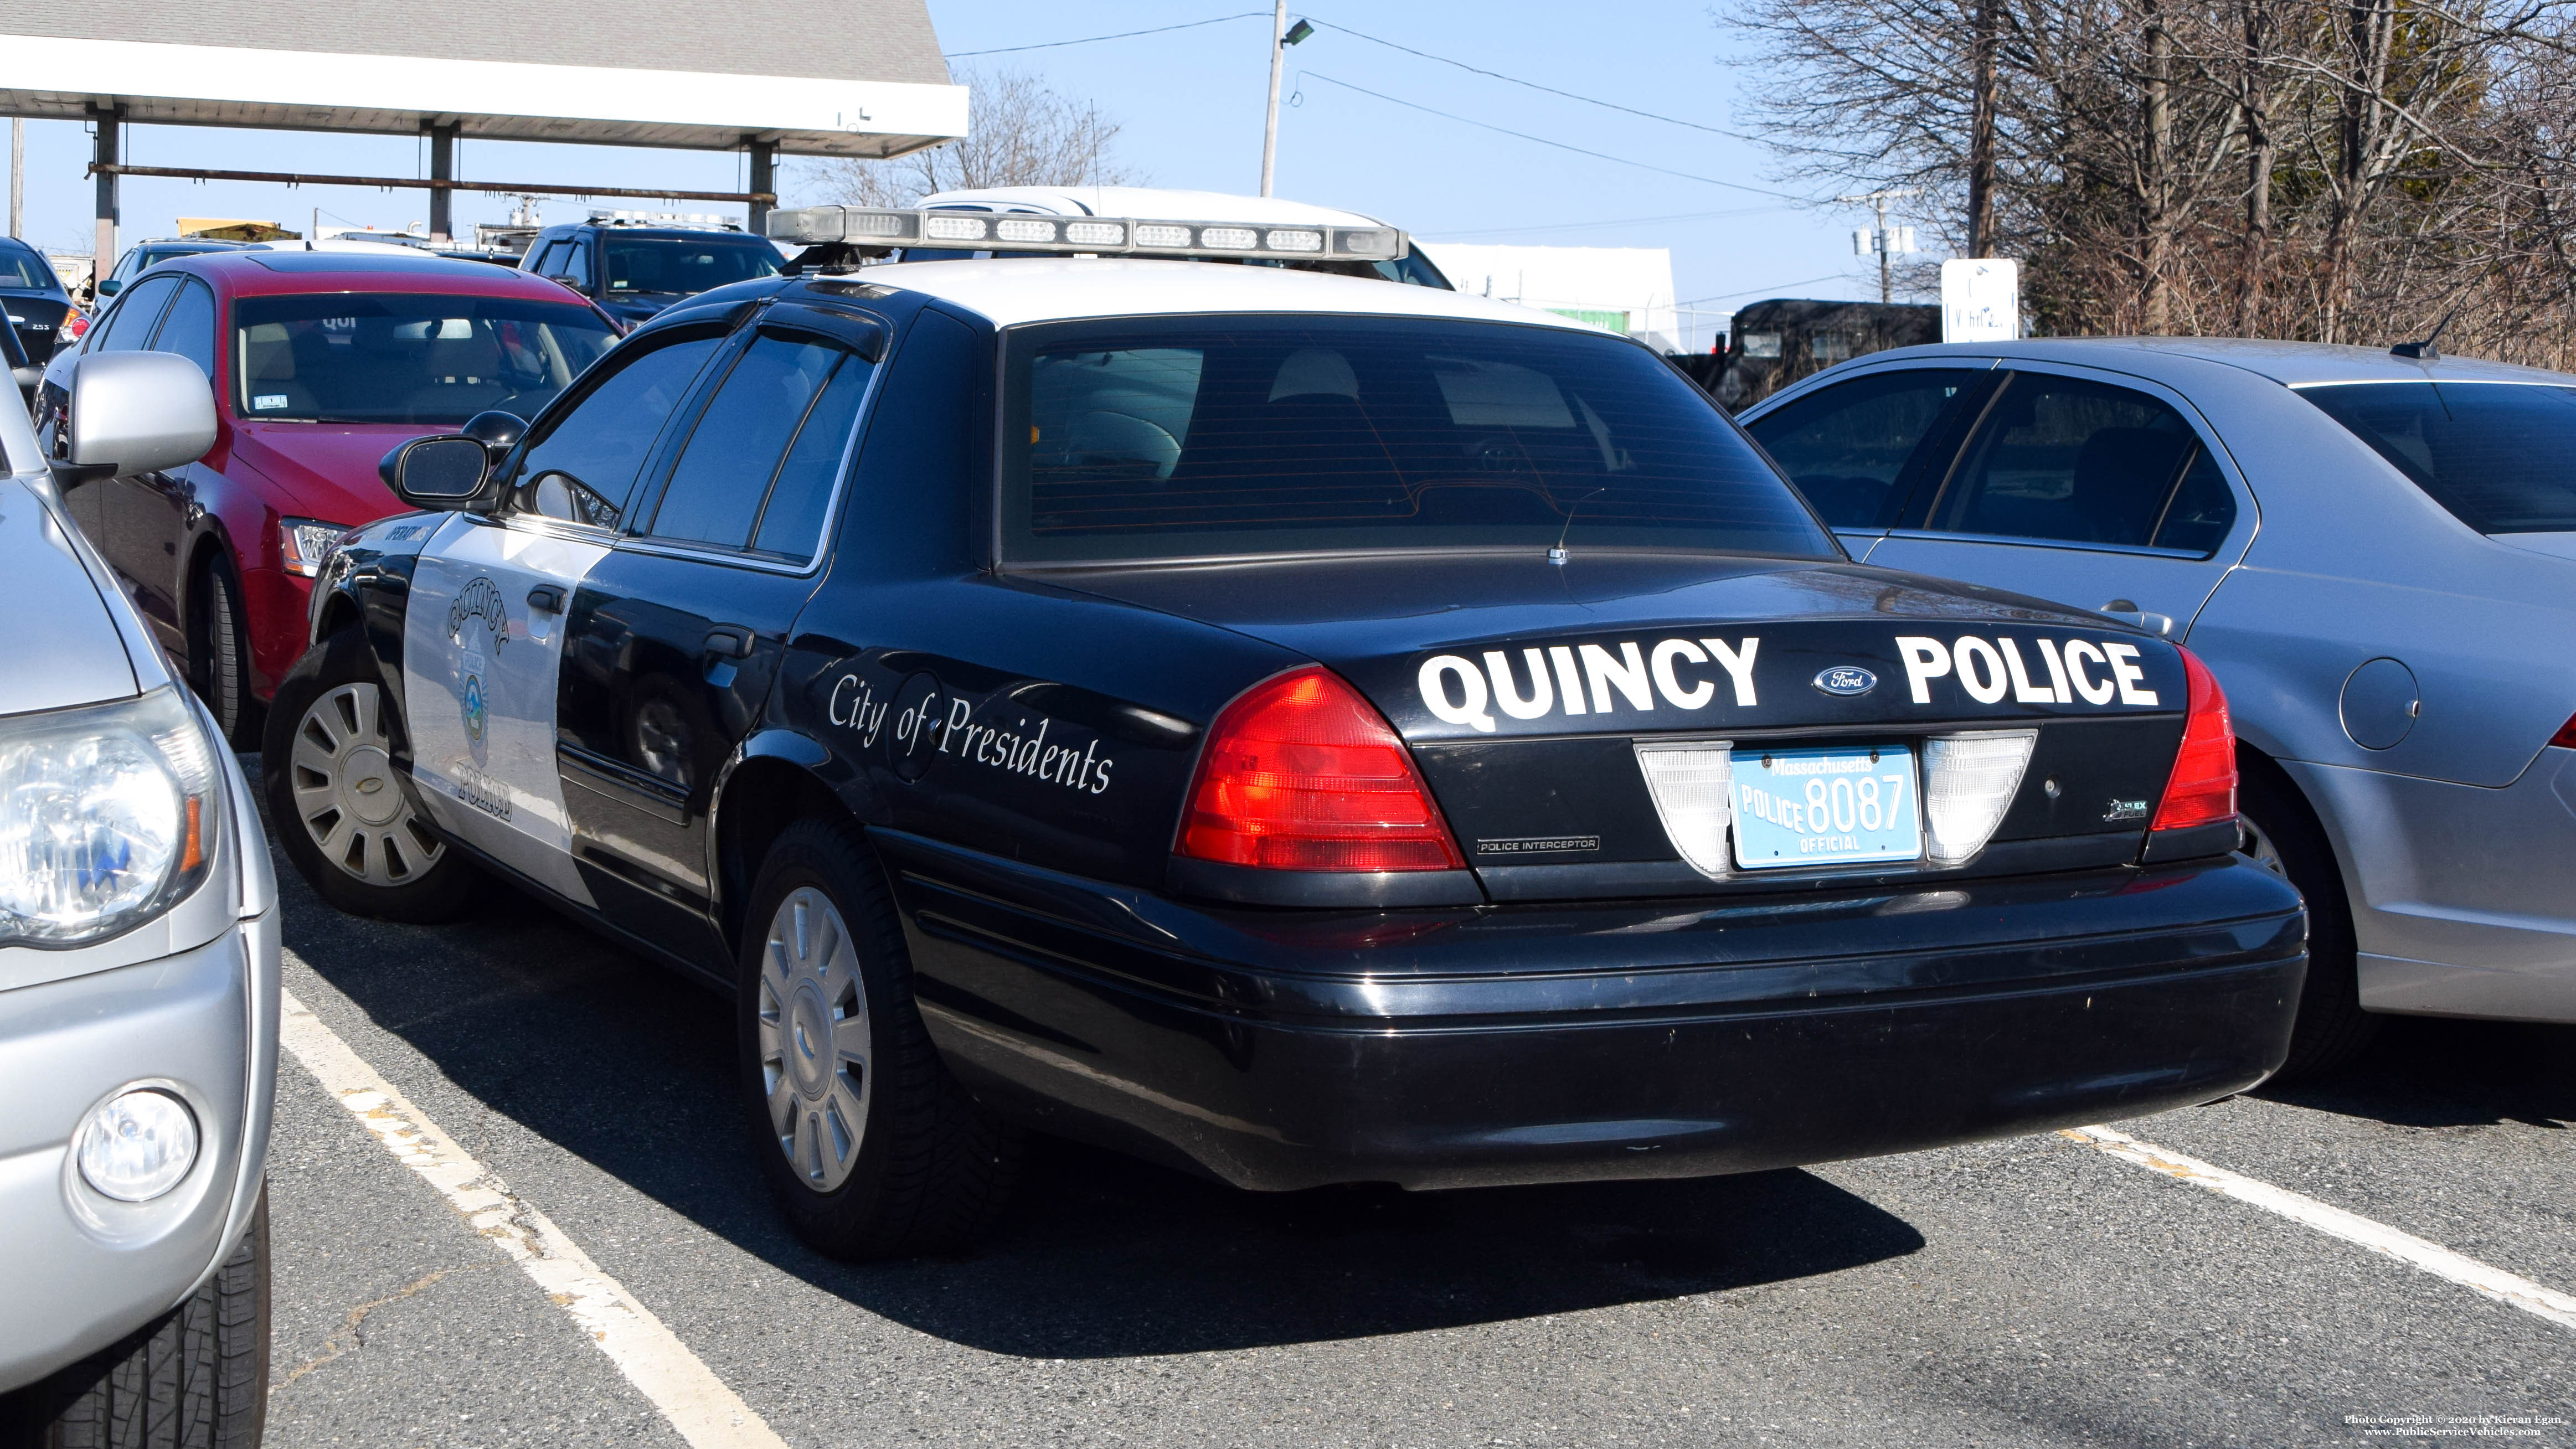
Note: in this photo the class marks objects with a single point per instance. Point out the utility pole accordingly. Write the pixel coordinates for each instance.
(1278, 62)
(1282, 36)
(17, 176)
(1883, 239)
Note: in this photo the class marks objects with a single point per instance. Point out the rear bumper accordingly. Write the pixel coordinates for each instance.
(1458, 1047)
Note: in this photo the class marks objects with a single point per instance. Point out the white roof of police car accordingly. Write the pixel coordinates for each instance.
(2293, 364)
(1152, 203)
(1014, 291)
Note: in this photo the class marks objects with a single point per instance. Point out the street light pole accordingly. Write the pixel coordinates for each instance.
(1278, 62)
(17, 176)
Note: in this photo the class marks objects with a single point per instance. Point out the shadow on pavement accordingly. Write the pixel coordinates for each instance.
(629, 1067)
(2427, 1072)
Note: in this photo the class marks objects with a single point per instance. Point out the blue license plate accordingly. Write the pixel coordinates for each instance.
(1821, 807)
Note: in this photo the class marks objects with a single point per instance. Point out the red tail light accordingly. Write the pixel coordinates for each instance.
(2565, 739)
(1301, 773)
(2202, 788)
(73, 324)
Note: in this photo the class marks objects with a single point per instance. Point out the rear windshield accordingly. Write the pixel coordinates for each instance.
(396, 358)
(1196, 437)
(645, 266)
(2500, 456)
(25, 271)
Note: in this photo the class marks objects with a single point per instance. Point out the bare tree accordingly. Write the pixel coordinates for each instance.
(1021, 134)
(2336, 169)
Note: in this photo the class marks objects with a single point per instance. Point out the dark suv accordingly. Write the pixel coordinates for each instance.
(634, 269)
(33, 298)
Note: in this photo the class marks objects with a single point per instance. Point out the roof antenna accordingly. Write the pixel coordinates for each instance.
(2425, 351)
(1557, 554)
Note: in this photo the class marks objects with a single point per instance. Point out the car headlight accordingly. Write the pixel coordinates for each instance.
(137, 1145)
(303, 542)
(107, 816)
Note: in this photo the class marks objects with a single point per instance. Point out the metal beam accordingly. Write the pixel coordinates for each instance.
(106, 169)
(442, 167)
(764, 182)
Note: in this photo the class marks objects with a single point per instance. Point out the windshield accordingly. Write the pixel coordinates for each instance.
(396, 358)
(2500, 456)
(1189, 437)
(639, 266)
(24, 271)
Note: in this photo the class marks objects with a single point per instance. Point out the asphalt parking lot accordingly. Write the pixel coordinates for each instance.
(2028, 1292)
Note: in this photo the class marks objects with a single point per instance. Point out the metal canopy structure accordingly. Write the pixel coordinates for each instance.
(717, 75)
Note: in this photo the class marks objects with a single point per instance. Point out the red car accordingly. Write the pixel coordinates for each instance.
(320, 362)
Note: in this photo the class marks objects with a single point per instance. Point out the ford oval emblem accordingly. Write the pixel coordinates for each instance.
(1846, 680)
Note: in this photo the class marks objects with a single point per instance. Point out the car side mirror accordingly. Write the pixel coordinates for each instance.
(497, 431)
(133, 412)
(110, 287)
(444, 472)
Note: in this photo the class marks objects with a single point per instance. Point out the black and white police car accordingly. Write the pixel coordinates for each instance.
(1298, 728)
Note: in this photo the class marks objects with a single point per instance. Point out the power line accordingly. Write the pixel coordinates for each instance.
(1121, 35)
(1559, 145)
(1621, 221)
(1533, 85)
(1757, 291)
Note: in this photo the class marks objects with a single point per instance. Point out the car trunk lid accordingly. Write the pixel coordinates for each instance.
(1558, 712)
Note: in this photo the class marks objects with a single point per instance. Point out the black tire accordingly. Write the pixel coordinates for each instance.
(933, 1169)
(2332, 1028)
(400, 873)
(219, 653)
(197, 1378)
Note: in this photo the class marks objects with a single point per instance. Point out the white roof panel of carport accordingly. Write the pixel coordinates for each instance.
(594, 71)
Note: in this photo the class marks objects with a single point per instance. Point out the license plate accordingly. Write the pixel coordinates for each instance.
(1819, 807)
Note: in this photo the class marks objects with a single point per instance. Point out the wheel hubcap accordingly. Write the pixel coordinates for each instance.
(351, 805)
(814, 1040)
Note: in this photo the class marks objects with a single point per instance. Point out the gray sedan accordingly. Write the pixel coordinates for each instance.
(138, 976)
(2376, 555)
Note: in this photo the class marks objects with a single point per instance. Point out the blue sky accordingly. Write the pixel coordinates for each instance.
(1190, 103)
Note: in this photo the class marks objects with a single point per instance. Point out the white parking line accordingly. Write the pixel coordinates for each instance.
(707, 1414)
(2433, 1258)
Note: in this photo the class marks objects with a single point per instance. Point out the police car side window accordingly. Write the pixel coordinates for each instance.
(583, 470)
(2076, 461)
(574, 264)
(129, 327)
(776, 428)
(1845, 446)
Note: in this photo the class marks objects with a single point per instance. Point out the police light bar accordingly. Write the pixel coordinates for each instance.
(1109, 235)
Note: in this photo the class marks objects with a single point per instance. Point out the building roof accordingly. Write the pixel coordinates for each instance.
(869, 80)
(1016, 290)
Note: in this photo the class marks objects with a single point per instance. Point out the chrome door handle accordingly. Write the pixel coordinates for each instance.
(729, 642)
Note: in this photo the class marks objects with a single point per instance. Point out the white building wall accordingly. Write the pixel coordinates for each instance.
(1635, 280)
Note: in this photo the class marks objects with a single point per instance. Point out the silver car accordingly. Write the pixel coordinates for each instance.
(2376, 555)
(138, 976)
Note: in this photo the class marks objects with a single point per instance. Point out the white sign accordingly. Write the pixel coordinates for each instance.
(1980, 299)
